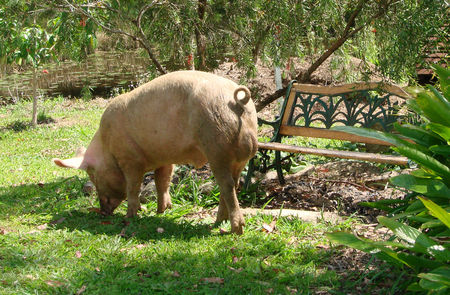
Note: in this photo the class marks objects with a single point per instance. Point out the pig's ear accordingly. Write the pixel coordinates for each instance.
(77, 162)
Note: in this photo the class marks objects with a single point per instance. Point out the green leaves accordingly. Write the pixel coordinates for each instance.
(418, 241)
(422, 219)
(444, 80)
(418, 134)
(428, 187)
(434, 107)
(441, 130)
(437, 211)
(436, 280)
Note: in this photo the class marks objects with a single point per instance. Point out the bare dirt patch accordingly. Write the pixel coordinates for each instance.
(338, 187)
(77, 105)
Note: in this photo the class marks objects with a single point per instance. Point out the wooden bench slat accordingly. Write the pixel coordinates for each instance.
(339, 89)
(371, 157)
(327, 133)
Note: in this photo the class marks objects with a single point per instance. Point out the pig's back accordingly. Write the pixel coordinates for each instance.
(173, 118)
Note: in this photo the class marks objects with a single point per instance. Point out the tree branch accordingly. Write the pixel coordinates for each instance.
(346, 34)
(142, 39)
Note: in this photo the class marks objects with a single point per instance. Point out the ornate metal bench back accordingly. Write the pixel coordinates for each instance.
(363, 105)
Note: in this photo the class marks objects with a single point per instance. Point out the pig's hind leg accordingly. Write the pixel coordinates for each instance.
(225, 178)
(163, 177)
(222, 212)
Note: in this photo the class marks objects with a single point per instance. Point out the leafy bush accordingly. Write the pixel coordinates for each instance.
(421, 222)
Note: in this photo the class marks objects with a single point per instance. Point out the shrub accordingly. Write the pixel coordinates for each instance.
(421, 222)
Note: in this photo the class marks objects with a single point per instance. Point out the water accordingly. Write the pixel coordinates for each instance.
(100, 73)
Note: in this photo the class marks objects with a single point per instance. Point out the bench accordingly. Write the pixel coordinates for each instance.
(312, 111)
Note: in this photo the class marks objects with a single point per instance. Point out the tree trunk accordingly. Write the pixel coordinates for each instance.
(259, 43)
(35, 99)
(199, 37)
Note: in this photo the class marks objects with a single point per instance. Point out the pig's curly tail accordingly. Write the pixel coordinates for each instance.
(242, 95)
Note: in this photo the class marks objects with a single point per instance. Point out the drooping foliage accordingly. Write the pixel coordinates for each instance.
(391, 35)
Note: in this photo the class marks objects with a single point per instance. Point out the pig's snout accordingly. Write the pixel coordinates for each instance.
(107, 206)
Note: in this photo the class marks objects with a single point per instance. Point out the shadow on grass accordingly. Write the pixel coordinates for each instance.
(65, 201)
(16, 126)
(21, 125)
(143, 227)
(41, 198)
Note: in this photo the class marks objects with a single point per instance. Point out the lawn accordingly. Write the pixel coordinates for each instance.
(51, 243)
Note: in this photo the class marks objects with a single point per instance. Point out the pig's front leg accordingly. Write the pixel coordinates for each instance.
(133, 181)
(163, 177)
(222, 211)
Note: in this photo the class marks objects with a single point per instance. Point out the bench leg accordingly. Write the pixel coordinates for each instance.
(278, 167)
(250, 170)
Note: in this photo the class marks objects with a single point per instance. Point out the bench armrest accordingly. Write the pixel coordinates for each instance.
(271, 123)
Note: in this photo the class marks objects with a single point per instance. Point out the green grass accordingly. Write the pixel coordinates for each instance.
(50, 243)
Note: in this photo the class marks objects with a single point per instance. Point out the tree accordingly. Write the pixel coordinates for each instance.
(203, 33)
(388, 33)
(24, 42)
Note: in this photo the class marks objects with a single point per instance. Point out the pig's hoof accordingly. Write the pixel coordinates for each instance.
(131, 214)
(239, 230)
(163, 208)
(237, 225)
(217, 223)
(222, 215)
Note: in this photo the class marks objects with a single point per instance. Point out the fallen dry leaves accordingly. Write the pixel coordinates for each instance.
(236, 259)
(237, 270)
(30, 277)
(213, 280)
(57, 221)
(95, 210)
(122, 232)
(81, 290)
(291, 290)
(269, 228)
(78, 254)
(42, 226)
(139, 246)
(53, 283)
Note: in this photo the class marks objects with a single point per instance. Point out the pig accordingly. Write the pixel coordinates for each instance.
(184, 117)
